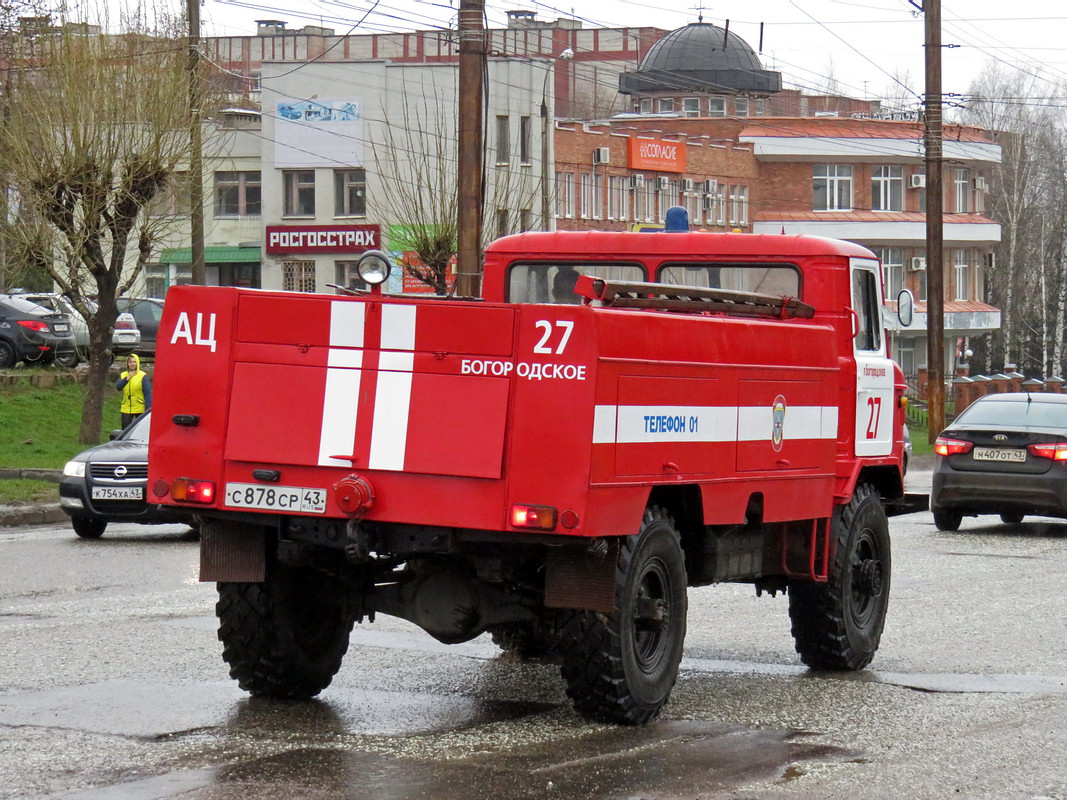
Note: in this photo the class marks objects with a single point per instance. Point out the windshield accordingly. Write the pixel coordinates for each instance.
(138, 431)
(1015, 413)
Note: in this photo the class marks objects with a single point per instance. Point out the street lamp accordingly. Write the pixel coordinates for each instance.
(547, 218)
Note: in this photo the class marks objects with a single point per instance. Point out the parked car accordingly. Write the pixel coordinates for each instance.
(109, 482)
(31, 333)
(907, 448)
(1005, 454)
(124, 340)
(147, 311)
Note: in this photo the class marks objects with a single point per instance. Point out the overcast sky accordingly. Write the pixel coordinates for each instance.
(863, 45)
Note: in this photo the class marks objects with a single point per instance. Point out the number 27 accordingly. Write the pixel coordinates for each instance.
(874, 405)
(565, 325)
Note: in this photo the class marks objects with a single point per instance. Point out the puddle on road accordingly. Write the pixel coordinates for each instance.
(663, 760)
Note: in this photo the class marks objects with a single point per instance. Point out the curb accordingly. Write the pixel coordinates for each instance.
(37, 514)
(53, 475)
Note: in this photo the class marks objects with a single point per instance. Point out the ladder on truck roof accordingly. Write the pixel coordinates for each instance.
(667, 297)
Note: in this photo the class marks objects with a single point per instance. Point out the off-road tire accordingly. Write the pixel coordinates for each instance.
(615, 669)
(946, 520)
(1012, 517)
(7, 356)
(284, 637)
(87, 527)
(837, 625)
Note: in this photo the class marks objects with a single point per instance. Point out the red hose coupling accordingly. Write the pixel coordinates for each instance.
(354, 495)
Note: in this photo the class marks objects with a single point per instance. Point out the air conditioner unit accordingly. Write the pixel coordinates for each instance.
(689, 184)
(663, 183)
(636, 181)
(918, 263)
(602, 155)
(711, 187)
(918, 180)
(980, 184)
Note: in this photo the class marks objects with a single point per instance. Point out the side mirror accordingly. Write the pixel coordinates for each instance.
(113, 435)
(905, 308)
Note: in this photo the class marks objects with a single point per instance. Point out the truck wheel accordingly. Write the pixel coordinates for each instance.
(285, 637)
(837, 625)
(945, 520)
(621, 667)
(88, 528)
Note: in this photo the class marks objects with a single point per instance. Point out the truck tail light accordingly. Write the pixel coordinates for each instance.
(523, 516)
(950, 447)
(1055, 451)
(34, 325)
(188, 490)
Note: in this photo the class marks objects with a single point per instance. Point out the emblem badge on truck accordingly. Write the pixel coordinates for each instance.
(777, 422)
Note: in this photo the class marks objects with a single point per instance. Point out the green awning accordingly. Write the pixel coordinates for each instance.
(212, 255)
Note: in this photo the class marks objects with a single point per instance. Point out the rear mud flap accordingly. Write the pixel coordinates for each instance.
(232, 552)
(582, 577)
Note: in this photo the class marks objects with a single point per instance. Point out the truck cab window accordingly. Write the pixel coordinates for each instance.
(776, 279)
(550, 282)
(865, 300)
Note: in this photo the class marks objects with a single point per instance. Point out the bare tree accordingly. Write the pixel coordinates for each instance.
(416, 158)
(97, 126)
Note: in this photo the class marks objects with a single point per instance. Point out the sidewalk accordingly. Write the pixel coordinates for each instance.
(31, 513)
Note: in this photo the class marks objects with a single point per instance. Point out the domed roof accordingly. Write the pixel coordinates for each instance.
(704, 58)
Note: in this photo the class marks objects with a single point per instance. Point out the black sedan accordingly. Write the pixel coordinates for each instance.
(108, 483)
(1005, 454)
(31, 333)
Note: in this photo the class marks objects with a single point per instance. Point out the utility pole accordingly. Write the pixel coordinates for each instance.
(472, 61)
(196, 167)
(935, 199)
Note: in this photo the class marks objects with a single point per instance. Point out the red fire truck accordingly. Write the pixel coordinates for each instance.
(622, 416)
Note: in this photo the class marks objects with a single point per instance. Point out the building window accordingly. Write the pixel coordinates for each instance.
(503, 140)
(525, 132)
(350, 192)
(525, 219)
(963, 275)
(598, 196)
(650, 201)
(761, 108)
(691, 106)
(887, 188)
(715, 204)
(237, 194)
(692, 204)
(832, 187)
(665, 105)
(299, 188)
(741, 106)
(501, 222)
(616, 196)
(298, 276)
(717, 107)
(961, 182)
(348, 276)
(668, 196)
(564, 194)
(639, 203)
(585, 183)
(892, 259)
(645, 105)
(738, 204)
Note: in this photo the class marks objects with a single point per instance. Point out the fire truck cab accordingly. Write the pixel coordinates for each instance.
(620, 417)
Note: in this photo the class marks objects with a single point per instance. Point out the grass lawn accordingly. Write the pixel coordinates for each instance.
(39, 426)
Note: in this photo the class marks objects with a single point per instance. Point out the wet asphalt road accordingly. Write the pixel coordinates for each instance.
(112, 686)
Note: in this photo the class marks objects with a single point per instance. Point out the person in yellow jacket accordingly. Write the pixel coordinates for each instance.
(136, 388)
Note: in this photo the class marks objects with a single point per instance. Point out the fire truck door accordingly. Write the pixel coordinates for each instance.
(874, 371)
